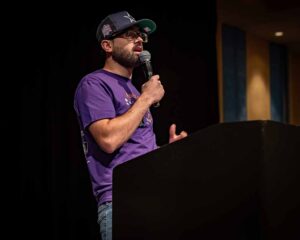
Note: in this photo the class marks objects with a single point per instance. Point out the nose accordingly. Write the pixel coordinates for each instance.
(139, 39)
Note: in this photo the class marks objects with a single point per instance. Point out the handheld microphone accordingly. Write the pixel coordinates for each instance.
(144, 59)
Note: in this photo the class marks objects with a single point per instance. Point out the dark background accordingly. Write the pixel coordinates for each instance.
(61, 48)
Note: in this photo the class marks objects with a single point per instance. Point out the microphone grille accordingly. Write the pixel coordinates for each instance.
(144, 56)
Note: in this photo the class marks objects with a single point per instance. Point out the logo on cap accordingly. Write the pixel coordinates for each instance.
(147, 29)
(131, 19)
(106, 30)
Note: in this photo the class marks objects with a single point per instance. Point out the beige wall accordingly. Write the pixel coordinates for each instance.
(257, 70)
(258, 79)
(294, 88)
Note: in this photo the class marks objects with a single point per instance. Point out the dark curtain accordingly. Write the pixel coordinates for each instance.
(60, 44)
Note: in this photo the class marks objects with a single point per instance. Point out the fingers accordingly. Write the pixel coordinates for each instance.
(155, 77)
(173, 137)
(153, 90)
(183, 134)
(172, 131)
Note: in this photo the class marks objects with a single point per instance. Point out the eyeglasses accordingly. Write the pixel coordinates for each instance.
(132, 35)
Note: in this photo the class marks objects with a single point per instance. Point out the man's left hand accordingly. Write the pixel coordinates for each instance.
(173, 136)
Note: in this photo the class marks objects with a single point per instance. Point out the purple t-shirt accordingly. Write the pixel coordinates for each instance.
(99, 95)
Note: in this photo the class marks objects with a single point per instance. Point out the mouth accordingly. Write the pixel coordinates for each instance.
(138, 49)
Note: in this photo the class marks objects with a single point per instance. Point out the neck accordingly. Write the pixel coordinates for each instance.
(114, 67)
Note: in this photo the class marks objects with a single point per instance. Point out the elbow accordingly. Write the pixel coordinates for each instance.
(108, 146)
(108, 149)
(103, 135)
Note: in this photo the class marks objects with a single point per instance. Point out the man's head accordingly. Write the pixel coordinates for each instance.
(122, 37)
(118, 22)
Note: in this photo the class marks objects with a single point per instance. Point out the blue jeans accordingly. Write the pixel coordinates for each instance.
(105, 220)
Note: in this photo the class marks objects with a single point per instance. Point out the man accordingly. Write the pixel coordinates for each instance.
(115, 121)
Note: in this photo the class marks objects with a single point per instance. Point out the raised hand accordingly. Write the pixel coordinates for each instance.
(173, 136)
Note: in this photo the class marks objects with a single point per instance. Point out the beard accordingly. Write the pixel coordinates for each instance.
(124, 58)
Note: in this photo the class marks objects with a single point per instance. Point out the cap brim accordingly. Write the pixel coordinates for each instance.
(146, 25)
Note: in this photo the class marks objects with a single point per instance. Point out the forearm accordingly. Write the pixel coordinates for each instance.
(121, 128)
(113, 133)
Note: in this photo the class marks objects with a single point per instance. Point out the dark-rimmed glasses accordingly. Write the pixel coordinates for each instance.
(132, 35)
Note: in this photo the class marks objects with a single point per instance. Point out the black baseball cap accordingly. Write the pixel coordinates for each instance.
(117, 22)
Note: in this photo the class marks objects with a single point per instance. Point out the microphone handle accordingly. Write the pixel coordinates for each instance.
(149, 69)
(149, 75)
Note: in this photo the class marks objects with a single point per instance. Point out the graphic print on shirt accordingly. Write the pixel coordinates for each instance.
(130, 99)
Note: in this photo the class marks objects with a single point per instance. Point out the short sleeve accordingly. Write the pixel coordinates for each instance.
(94, 101)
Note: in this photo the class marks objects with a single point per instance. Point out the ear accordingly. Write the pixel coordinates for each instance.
(107, 45)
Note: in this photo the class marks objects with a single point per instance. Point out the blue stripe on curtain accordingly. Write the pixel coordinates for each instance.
(234, 73)
(278, 82)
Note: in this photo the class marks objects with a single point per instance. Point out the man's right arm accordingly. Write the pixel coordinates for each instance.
(110, 134)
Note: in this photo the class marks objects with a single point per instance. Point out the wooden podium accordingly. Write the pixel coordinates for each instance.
(229, 181)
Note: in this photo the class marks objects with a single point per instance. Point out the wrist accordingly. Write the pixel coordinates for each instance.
(145, 100)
